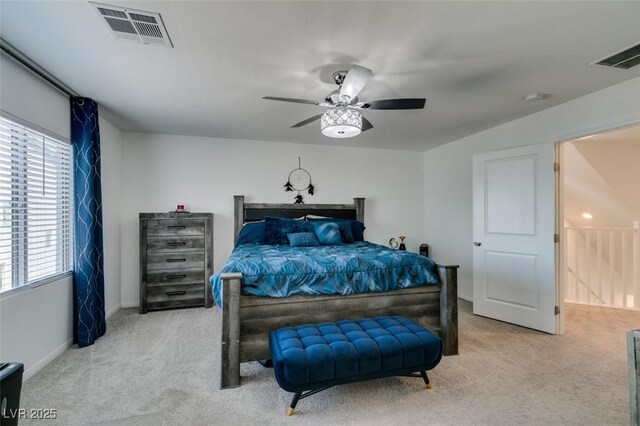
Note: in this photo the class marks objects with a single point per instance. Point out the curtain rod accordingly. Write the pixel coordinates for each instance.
(32, 66)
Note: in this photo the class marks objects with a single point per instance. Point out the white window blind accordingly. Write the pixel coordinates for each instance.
(36, 200)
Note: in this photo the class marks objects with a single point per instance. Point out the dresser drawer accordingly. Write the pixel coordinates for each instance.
(161, 297)
(176, 277)
(174, 292)
(174, 244)
(168, 261)
(174, 227)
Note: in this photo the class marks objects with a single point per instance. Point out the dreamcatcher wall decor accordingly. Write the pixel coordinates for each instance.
(299, 180)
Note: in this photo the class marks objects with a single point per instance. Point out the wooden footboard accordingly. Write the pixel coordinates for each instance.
(247, 320)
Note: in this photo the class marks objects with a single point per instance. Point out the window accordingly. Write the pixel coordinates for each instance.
(36, 200)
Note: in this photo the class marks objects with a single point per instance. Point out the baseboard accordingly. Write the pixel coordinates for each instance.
(113, 311)
(467, 298)
(130, 305)
(47, 359)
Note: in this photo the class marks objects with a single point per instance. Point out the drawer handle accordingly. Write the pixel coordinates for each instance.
(176, 293)
(176, 243)
(176, 226)
(182, 259)
(176, 276)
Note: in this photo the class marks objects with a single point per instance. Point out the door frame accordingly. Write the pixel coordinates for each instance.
(546, 149)
(561, 248)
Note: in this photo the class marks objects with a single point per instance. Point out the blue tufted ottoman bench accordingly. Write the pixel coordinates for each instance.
(313, 357)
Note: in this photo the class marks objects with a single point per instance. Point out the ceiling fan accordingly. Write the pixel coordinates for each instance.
(343, 118)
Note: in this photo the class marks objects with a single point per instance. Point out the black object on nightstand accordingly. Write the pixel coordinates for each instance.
(424, 250)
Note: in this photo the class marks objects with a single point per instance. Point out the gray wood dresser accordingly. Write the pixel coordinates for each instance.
(176, 260)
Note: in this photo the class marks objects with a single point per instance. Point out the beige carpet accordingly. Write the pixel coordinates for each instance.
(162, 369)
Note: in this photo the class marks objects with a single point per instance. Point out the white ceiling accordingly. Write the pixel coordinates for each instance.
(473, 61)
(615, 156)
(585, 191)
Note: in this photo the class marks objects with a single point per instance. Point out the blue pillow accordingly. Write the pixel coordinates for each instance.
(345, 232)
(357, 228)
(328, 233)
(252, 232)
(276, 230)
(303, 239)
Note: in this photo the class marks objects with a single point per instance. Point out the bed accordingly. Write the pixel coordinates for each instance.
(251, 311)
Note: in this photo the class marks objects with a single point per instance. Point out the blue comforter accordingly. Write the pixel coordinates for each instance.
(362, 267)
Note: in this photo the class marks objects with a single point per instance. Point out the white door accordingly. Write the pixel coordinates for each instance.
(513, 236)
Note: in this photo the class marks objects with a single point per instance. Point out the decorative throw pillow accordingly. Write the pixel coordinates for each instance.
(357, 228)
(328, 233)
(345, 232)
(303, 239)
(252, 232)
(276, 229)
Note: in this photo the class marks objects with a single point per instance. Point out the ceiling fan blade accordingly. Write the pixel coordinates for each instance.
(407, 103)
(298, 101)
(307, 121)
(366, 124)
(353, 83)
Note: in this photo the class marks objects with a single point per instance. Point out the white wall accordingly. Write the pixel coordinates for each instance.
(448, 183)
(111, 154)
(586, 191)
(614, 157)
(161, 171)
(31, 99)
(36, 323)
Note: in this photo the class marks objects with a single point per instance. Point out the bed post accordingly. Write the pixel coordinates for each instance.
(449, 307)
(238, 215)
(230, 350)
(359, 203)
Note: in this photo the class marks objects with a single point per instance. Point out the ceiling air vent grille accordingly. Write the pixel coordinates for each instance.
(109, 12)
(120, 25)
(625, 59)
(135, 25)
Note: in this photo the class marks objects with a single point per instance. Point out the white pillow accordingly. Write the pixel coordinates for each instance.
(293, 218)
(312, 216)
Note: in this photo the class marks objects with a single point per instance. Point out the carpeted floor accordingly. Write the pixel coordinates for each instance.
(162, 369)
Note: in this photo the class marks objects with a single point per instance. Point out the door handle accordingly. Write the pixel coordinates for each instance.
(176, 276)
(477, 243)
(176, 243)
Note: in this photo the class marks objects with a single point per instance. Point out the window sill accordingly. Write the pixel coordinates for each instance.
(48, 280)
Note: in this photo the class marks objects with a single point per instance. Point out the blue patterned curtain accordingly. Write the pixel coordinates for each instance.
(88, 276)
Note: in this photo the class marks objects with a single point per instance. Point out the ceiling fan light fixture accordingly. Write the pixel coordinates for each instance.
(532, 97)
(341, 122)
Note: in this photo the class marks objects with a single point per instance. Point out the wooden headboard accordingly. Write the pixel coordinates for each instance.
(252, 212)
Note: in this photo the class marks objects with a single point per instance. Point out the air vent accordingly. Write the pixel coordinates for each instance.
(135, 25)
(625, 59)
